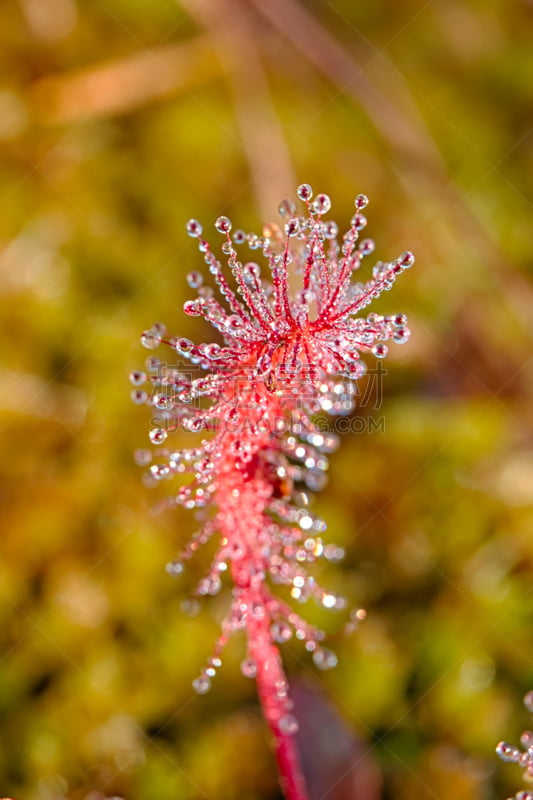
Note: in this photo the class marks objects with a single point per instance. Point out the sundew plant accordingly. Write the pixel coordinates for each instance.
(292, 333)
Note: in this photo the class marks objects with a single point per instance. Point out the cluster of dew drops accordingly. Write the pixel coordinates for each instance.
(248, 331)
(524, 757)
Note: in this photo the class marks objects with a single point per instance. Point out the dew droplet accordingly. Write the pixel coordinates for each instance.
(201, 685)
(251, 270)
(223, 225)
(380, 350)
(194, 228)
(304, 192)
(174, 568)
(315, 479)
(160, 471)
(190, 607)
(137, 378)
(249, 668)
(288, 724)
(366, 247)
(329, 600)
(254, 241)
(401, 335)
(324, 658)
(281, 632)
(507, 752)
(190, 307)
(407, 259)
(158, 435)
(287, 208)
(239, 237)
(332, 229)
(359, 221)
(184, 345)
(305, 522)
(151, 339)
(214, 585)
(138, 397)
(292, 227)
(195, 279)
(526, 739)
(528, 702)
(161, 401)
(361, 201)
(142, 457)
(399, 320)
(321, 204)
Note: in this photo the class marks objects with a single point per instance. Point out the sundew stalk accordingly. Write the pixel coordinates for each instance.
(284, 354)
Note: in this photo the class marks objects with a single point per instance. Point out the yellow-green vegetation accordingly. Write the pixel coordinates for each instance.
(119, 121)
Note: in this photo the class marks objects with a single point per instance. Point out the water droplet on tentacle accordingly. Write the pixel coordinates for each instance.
(304, 192)
(223, 225)
(249, 668)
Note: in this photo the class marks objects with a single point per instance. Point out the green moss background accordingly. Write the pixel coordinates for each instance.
(119, 121)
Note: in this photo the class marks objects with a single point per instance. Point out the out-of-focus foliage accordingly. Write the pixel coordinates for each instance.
(120, 120)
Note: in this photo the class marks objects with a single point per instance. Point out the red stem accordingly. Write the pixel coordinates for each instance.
(270, 674)
(291, 776)
(243, 500)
